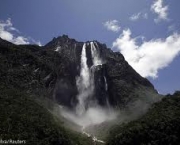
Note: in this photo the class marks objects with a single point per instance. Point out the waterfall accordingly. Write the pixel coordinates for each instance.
(84, 74)
(106, 88)
(87, 111)
(95, 55)
(83, 83)
(105, 83)
(97, 61)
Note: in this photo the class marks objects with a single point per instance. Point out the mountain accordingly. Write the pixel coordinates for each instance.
(86, 78)
(25, 114)
(53, 69)
(124, 83)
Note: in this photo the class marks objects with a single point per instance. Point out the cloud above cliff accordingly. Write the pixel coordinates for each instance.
(9, 33)
(112, 25)
(158, 8)
(138, 16)
(148, 57)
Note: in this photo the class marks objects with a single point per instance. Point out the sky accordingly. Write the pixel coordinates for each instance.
(146, 32)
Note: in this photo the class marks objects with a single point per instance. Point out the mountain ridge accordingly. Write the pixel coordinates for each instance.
(122, 73)
(50, 78)
(122, 79)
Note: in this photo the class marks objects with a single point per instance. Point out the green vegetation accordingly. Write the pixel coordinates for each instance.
(21, 118)
(159, 126)
(28, 74)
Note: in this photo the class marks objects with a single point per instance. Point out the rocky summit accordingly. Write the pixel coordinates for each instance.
(53, 70)
(123, 83)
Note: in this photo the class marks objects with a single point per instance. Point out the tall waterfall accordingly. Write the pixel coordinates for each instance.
(84, 74)
(97, 61)
(84, 83)
(105, 83)
(87, 111)
(95, 55)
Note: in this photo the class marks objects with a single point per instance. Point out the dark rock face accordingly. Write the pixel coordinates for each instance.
(101, 86)
(52, 71)
(66, 89)
(122, 80)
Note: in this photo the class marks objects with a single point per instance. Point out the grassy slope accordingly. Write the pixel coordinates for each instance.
(160, 125)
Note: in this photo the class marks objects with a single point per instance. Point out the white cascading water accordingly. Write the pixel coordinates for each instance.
(83, 83)
(95, 55)
(105, 82)
(97, 61)
(87, 114)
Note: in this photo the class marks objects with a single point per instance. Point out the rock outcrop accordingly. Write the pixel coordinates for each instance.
(115, 79)
(52, 71)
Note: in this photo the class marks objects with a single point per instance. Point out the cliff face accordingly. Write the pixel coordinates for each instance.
(52, 71)
(115, 80)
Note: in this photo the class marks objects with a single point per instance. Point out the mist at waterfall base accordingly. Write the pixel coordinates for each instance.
(87, 111)
(93, 115)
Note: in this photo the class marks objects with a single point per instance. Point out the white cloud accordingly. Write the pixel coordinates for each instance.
(158, 8)
(172, 28)
(150, 56)
(139, 15)
(112, 25)
(135, 17)
(7, 30)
